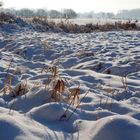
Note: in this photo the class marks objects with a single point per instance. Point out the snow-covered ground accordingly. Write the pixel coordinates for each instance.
(100, 21)
(105, 66)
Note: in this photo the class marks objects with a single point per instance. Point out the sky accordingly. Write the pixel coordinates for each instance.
(77, 5)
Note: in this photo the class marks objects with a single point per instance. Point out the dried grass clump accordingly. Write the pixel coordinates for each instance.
(41, 23)
(6, 18)
(88, 28)
(20, 89)
(7, 85)
(126, 26)
(7, 80)
(73, 28)
(62, 25)
(68, 26)
(74, 96)
(57, 84)
(61, 91)
(107, 27)
(40, 20)
(60, 87)
(52, 24)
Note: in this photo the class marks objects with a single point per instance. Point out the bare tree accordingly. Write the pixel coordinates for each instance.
(69, 13)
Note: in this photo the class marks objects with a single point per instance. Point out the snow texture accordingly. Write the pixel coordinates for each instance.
(107, 64)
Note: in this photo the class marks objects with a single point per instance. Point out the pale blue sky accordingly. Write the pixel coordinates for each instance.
(77, 5)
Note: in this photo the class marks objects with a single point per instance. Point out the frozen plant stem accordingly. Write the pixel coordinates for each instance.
(78, 105)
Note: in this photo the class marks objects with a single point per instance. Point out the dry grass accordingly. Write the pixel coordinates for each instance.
(74, 96)
(40, 20)
(60, 90)
(7, 80)
(69, 27)
(7, 86)
(124, 83)
(60, 87)
(44, 24)
(65, 116)
(6, 18)
(109, 100)
(20, 89)
(126, 26)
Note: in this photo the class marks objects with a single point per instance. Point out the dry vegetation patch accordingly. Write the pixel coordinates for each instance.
(69, 27)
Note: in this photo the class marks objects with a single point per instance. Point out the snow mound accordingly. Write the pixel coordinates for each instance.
(116, 128)
(12, 128)
(51, 112)
(33, 98)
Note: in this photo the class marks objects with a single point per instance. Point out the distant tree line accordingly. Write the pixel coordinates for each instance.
(134, 14)
(25, 12)
(91, 14)
(70, 13)
(123, 14)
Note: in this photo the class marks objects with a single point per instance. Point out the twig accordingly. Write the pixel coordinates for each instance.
(11, 106)
(78, 105)
(64, 114)
(9, 68)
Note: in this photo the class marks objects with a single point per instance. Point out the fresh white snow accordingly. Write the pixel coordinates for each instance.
(104, 64)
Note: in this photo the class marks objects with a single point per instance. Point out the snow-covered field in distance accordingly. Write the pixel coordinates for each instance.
(106, 64)
(100, 21)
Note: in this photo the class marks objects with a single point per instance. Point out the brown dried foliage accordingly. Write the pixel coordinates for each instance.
(20, 89)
